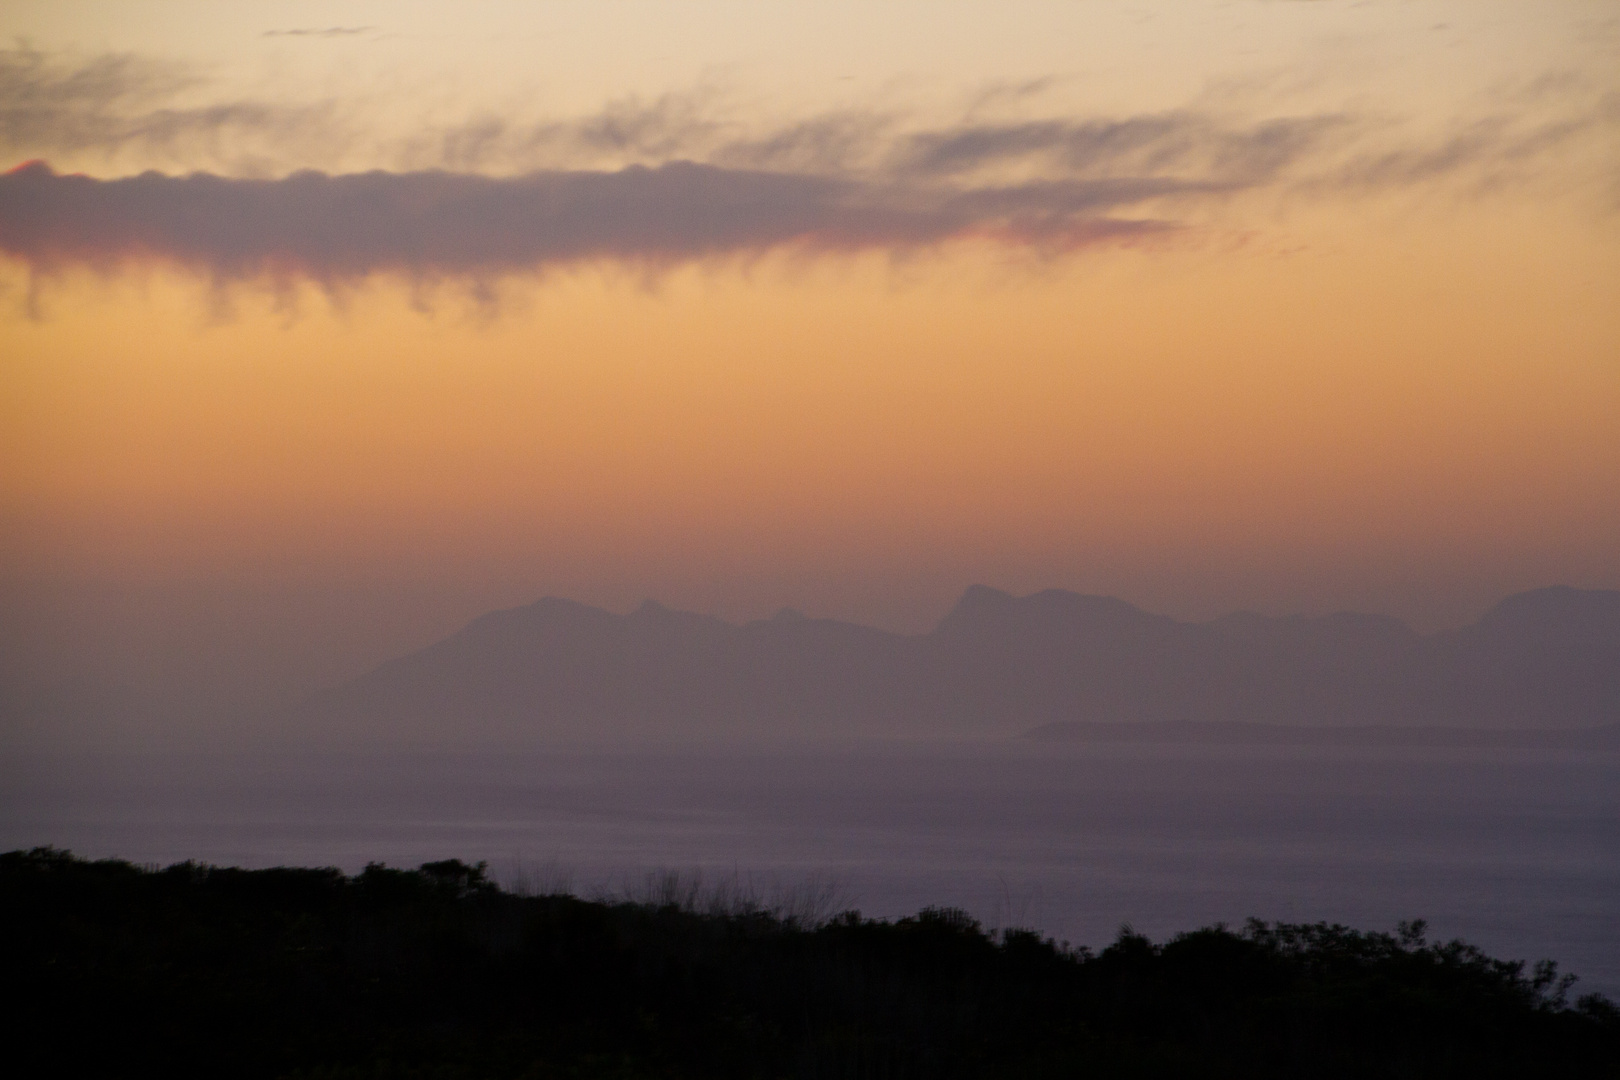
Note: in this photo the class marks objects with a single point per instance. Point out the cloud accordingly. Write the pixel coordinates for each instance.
(672, 178)
(335, 228)
(625, 132)
(1141, 145)
(115, 107)
(123, 113)
(1493, 150)
(43, 104)
(321, 32)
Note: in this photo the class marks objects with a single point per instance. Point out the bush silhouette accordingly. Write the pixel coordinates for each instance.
(196, 970)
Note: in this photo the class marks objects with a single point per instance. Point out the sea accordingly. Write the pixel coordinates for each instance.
(1514, 850)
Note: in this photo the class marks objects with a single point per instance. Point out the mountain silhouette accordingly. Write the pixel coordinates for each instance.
(996, 662)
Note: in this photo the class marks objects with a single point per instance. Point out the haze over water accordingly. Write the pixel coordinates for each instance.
(1517, 851)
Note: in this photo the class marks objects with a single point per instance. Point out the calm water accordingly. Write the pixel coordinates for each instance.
(1517, 851)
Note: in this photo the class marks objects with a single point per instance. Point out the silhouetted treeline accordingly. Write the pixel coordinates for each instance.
(193, 970)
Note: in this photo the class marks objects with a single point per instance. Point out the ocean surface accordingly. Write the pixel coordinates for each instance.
(1517, 851)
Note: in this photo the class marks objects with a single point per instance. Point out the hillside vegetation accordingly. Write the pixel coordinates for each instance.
(196, 970)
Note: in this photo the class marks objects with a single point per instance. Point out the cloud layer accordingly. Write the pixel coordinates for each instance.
(650, 182)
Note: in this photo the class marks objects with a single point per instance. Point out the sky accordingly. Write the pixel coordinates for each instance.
(328, 326)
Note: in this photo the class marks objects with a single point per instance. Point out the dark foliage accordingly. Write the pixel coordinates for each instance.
(202, 971)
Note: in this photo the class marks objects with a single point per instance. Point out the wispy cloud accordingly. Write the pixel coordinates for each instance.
(1149, 145)
(1492, 150)
(321, 32)
(119, 107)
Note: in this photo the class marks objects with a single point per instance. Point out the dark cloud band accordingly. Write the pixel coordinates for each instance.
(441, 223)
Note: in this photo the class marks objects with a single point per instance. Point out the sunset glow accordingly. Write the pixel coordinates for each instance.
(1284, 306)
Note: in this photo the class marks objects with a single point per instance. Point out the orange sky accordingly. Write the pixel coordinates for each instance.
(1327, 389)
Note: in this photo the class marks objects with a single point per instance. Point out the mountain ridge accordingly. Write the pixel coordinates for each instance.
(1548, 658)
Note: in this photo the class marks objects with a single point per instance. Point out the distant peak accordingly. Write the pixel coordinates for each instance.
(984, 596)
(560, 603)
(551, 610)
(1088, 602)
(976, 602)
(652, 615)
(788, 614)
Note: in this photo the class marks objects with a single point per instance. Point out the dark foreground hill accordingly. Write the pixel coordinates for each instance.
(200, 971)
(1544, 659)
